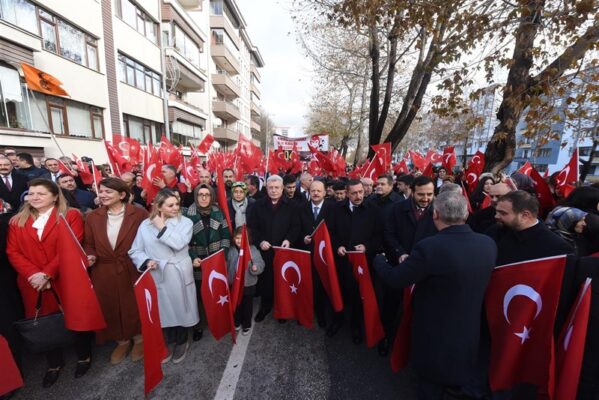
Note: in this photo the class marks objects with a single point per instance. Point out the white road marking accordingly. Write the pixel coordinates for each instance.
(228, 383)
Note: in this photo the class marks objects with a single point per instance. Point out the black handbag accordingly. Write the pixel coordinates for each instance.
(44, 333)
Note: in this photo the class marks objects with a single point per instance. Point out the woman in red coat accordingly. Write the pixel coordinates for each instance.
(32, 250)
(109, 233)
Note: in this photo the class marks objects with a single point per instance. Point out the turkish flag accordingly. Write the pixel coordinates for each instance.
(249, 157)
(449, 159)
(385, 150)
(465, 194)
(129, 148)
(400, 353)
(245, 257)
(155, 350)
(428, 171)
(41, 81)
(294, 298)
(221, 197)
(475, 168)
(546, 200)
(152, 169)
(324, 263)
(525, 169)
(569, 174)
(96, 176)
(205, 144)
(63, 169)
(372, 321)
(170, 154)
(216, 296)
(433, 157)
(401, 168)
(486, 202)
(83, 169)
(378, 166)
(521, 303)
(81, 307)
(570, 346)
(10, 378)
(417, 159)
(190, 173)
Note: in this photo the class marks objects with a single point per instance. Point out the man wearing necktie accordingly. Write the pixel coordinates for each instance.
(311, 214)
(54, 169)
(12, 184)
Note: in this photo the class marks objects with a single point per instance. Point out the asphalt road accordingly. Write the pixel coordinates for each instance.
(281, 362)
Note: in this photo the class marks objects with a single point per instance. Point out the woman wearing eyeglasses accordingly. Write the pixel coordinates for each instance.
(210, 234)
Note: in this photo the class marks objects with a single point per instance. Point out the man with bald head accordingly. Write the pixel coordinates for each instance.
(483, 219)
(311, 215)
(204, 176)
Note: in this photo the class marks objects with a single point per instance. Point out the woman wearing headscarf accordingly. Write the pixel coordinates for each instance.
(162, 246)
(109, 233)
(210, 234)
(238, 204)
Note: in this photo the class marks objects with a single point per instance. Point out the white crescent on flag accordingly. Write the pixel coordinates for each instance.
(216, 275)
(522, 290)
(149, 304)
(295, 267)
(321, 247)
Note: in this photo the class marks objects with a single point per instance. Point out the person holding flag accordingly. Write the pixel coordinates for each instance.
(244, 311)
(162, 245)
(32, 249)
(451, 270)
(109, 234)
(210, 234)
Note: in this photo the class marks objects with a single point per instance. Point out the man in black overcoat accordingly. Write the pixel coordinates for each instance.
(451, 271)
(12, 184)
(272, 221)
(354, 226)
(311, 214)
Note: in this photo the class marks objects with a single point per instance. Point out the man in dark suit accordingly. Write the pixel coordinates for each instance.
(12, 184)
(408, 222)
(519, 234)
(451, 271)
(27, 168)
(272, 221)
(354, 226)
(291, 191)
(481, 220)
(312, 213)
(86, 200)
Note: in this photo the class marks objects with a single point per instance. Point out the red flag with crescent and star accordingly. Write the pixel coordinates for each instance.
(294, 298)
(418, 160)
(400, 353)
(81, 306)
(521, 303)
(324, 263)
(565, 180)
(10, 378)
(205, 144)
(216, 297)
(570, 345)
(401, 168)
(373, 328)
(155, 350)
(379, 165)
(152, 170)
(243, 262)
(449, 159)
(525, 168)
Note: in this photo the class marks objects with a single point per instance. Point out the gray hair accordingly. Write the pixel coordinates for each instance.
(274, 178)
(450, 187)
(451, 207)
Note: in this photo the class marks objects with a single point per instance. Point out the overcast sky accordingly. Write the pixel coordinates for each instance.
(286, 77)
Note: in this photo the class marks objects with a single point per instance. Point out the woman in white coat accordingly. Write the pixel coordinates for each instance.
(161, 245)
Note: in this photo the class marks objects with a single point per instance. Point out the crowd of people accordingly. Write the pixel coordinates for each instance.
(412, 228)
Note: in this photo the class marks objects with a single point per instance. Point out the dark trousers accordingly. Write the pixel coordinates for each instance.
(201, 310)
(243, 314)
(176, 334)
(391, 300)
(320, 296)
(265, 286)
(351, 297)
(83, 349)
(428, 390)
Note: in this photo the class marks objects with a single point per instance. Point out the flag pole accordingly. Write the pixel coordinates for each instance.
(46, 122)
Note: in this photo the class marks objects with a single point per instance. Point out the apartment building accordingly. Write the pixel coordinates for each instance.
(141, 68)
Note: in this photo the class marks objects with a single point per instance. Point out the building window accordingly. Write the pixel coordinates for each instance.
(145, 131)
(58, 113)
(20, 13)
(135, 74)
(64, 39)
(217, 7)
(97, 122)
(543, 152)
(14, 106)
(186, 47)
(138, 19)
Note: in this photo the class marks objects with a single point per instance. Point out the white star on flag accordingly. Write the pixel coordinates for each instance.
(360, 271)
(223, 300)
(524, 335)
(293, 289)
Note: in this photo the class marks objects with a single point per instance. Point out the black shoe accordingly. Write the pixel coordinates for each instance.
(261, 315)
(82, 367)
(383, 347)
(334, 328)
(282, 321)
(356, 336)
(197, 334)
(51, 377)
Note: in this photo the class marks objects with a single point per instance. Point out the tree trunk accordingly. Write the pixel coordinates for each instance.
(375, 77)
(358, 157)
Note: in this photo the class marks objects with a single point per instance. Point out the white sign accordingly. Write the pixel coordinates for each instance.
(321, 142)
